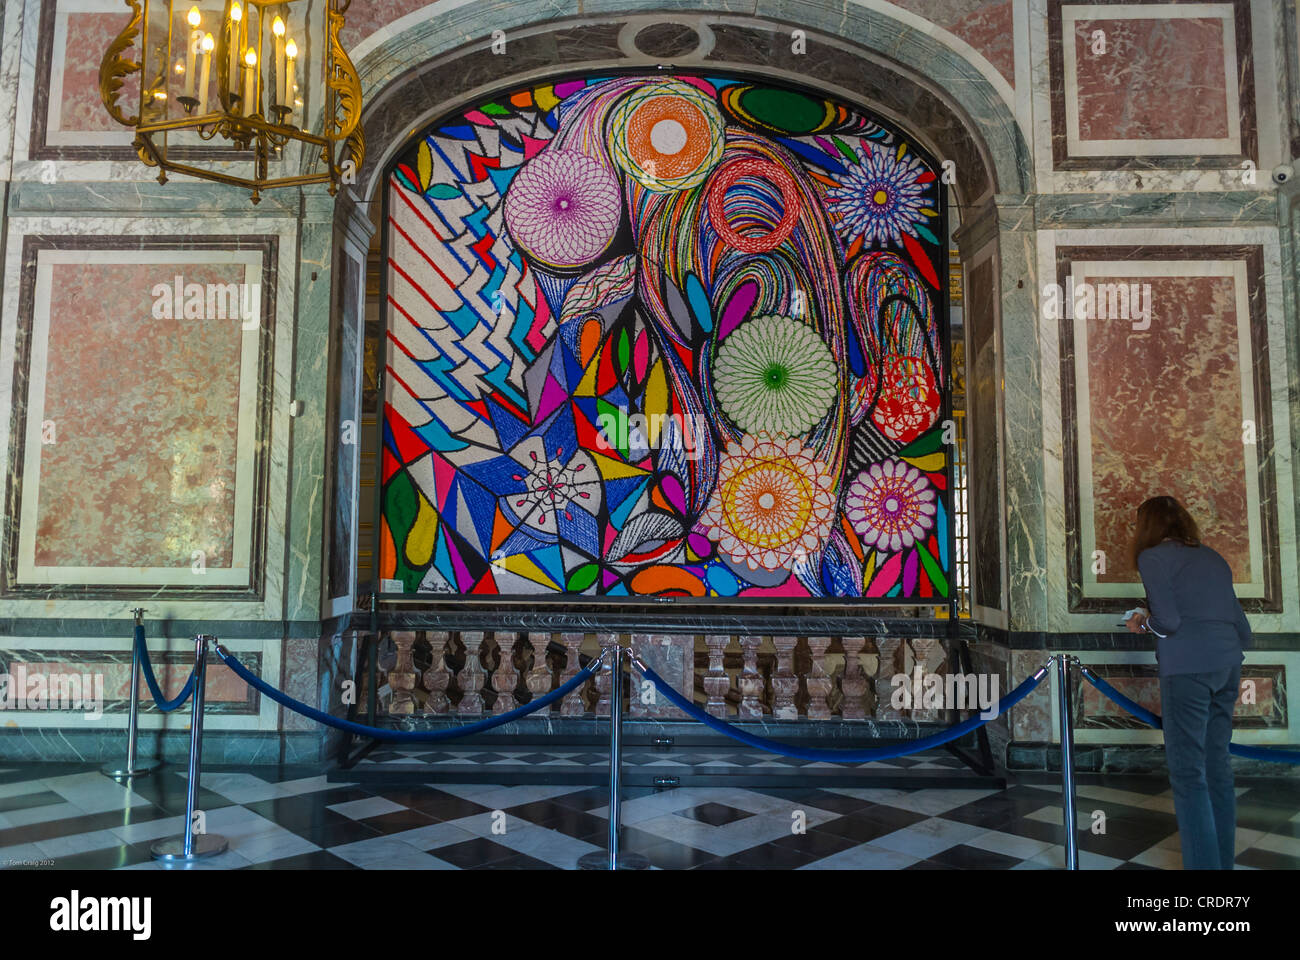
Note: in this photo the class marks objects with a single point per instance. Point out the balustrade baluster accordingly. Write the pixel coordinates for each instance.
(401, 678)
(539, 677)
(572, 705)
(437, 677)
(471, 676)
(751, 681)
(929, 655)
(818, 683)
(784, 683)
(889, 666)
(853, 682)
(716, 681)
(505, 677)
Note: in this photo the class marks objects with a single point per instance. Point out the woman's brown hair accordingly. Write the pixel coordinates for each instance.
(1163, 518)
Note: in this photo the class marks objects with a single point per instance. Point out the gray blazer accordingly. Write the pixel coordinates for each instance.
(1195, 615)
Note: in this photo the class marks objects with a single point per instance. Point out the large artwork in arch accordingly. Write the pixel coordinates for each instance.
(665, 336)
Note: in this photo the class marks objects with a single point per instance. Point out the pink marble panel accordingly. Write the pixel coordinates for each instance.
(221, 686)
(987, 25)
(1166, 417)
(81, 108)
(365, 18)
(145, 417)
(1159, 79)
(1146, 691)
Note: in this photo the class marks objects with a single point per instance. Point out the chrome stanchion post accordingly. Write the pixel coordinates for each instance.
(133, 767)
(190, 846)
(613, 858)
(615, 756)
(1063, 664)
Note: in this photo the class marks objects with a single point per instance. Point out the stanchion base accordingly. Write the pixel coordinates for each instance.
(599, 860)
(172, 850)
(118, 771)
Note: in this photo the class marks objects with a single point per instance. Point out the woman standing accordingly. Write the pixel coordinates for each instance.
(1200, 632)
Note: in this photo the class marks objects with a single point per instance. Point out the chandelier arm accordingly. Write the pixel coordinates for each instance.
(115, 67)
(344, 86)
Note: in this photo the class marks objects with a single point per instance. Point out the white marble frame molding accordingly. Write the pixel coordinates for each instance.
(1060, 619)
(1230, 145)
(1086, 271)
(268, 602)
(239, 572)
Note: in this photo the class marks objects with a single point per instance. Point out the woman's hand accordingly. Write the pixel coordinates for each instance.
(1136, 623)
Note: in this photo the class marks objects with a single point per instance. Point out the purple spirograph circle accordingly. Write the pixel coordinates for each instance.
(563, 208)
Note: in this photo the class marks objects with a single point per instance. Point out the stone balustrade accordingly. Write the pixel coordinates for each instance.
(437, 673)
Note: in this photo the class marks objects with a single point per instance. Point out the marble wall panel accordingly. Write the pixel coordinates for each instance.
(169, 409)
(1165, 390)
(984, 374)
(1261, 705)
(230, 704)
(1173, 81)
(1267, 721)
(346, 441)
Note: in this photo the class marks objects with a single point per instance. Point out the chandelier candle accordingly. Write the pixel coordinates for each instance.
(291, 58)
(205, 71)
(235, 26)
(196, 37)
(277, 29)
(250, 82)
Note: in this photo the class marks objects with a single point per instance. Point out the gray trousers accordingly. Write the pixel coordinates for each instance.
(1197, 710)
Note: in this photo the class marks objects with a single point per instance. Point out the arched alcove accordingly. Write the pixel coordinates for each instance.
(423, 70)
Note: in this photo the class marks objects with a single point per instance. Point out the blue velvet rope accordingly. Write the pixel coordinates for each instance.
(408, 736)
(838, 756)
(1151, 720)
(155, 691)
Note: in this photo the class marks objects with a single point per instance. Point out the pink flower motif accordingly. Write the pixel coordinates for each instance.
(890, 505)
(563, 208)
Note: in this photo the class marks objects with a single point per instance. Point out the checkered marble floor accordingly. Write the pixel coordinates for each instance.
(71, 817)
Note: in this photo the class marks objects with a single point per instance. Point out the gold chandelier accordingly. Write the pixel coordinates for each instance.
(233, 69)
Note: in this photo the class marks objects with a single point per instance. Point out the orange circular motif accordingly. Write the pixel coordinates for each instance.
(668, 123)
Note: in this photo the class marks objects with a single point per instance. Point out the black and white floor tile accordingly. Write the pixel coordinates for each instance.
(71, 817)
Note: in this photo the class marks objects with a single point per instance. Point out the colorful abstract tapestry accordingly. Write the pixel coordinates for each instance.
(666, 336)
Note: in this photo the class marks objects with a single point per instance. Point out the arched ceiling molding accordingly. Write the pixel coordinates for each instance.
(427, 64)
